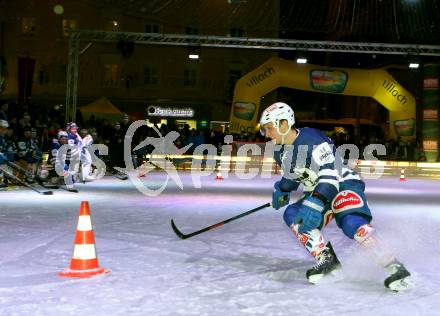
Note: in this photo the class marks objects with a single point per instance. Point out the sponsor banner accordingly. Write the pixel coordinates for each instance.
(276, 72)
(243, 117)
(244, 110)
(260, 77)
(405, 127)
(333, 81)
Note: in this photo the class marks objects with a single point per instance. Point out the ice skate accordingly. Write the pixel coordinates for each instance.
(399, 278)
(326, 262)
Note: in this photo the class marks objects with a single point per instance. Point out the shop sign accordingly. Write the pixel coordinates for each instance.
(155, 110)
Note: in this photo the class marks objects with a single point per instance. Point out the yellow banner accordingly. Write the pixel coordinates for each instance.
(277, 72)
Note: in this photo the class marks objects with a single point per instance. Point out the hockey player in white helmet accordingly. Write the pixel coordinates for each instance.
(331, 190)
(86, 157)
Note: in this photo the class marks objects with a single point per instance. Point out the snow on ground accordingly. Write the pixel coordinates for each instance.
(253, 266)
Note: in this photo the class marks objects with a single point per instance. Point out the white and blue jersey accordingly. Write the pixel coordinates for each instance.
(75, 142)
(312, 161)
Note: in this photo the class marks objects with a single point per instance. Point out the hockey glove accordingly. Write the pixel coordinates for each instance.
(309, 215)
(279, 198)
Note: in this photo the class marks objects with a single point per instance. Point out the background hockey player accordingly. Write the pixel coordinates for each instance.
(308, 157)
(86, 157)
(74, 141)
(55, 158)
(28, 152)
(116, 151)
(3, 156)
(11, 146)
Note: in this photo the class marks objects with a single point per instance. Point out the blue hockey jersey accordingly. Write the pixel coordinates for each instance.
(312, 161)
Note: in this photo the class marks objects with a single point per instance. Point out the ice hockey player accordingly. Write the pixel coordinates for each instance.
(55, 158)
(3, 157)
(74, 141)
(29, 154)
(307, 156)
(86, 157)
(73, 137)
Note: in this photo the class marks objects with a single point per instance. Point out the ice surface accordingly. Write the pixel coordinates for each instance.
(253, 266)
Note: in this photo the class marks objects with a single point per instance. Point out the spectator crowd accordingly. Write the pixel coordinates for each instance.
(32, 129)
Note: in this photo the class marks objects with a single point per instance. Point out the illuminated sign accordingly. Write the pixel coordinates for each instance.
(430, 145)
(155, 110)
(430, 83)
(430, 115)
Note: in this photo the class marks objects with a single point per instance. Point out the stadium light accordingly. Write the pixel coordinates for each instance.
(414, 65)
(193, 56)
(301, 60)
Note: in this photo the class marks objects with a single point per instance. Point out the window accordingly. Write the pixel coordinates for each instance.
(43, 75)
(150, 76)
(234, 75)
(110, 75)
(60, 74)
(112, 26)
(68, 26)
(191, 30)
(190, 77)
(29, 26)
(152, 28)
(236, 32)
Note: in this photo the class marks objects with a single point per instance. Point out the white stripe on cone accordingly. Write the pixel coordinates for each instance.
(84, 223)
(84, 252)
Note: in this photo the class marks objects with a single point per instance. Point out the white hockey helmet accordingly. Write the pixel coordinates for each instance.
(275, 113)
(4, 124)
(62, 134)
(71, 125)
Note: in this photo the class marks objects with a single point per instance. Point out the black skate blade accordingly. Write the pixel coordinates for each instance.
(401, 285)
(332, 277)
(50, 186)
(72, 190)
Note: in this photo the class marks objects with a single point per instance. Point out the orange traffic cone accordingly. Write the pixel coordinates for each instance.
(402, 175)
(219, 173)
(84, 262)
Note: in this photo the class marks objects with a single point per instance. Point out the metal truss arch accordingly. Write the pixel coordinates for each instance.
(223, 42)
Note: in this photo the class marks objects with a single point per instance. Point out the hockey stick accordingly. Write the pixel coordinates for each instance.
(19, 168)
(13, 177)
(219, 224)
(27, 173)
(119, 175)
(69, 189)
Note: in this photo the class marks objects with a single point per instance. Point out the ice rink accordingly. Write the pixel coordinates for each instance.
(252, 266)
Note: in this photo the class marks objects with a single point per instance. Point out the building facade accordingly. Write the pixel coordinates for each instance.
(132, 76)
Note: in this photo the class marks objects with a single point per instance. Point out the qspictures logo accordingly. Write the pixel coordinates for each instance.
(391, 88)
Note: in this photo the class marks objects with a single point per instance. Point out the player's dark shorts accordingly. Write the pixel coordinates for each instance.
(350, 200)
